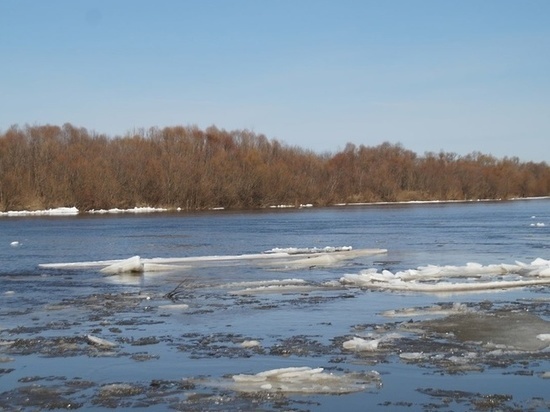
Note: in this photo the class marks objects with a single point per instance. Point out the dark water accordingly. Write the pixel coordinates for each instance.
(183, 359)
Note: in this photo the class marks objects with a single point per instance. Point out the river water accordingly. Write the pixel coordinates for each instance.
(215, 334)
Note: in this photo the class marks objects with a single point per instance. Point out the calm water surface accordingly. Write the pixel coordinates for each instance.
(45, 315)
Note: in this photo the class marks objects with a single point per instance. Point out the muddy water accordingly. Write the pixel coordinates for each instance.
(183, 340)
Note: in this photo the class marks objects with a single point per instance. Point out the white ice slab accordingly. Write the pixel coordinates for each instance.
(304, 380)
(277, 259)
(443, 279)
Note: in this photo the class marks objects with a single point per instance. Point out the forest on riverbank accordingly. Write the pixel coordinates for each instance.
(49, 166)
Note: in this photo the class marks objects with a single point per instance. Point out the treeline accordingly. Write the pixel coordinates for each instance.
(50, 166)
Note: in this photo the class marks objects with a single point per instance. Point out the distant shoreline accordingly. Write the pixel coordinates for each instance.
(73, 211)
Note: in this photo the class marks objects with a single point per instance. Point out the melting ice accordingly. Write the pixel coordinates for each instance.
(276, 258)
(305, 380)
(470, 277)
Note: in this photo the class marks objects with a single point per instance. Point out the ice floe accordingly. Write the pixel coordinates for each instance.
(360, 344)
(314, 259)
(502, 331)
(297, 251)
(279, 259)
(132, 264)
(368, 343)
(174, 306)
(250, 344)
(305, 380)
(100, 342)
(442, 279)
(435, 310)
(279, 286)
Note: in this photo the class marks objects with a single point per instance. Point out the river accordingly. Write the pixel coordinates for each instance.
(217, 324)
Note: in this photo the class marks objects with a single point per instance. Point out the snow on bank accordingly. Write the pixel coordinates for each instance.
(132, 210)
(443, 279)
(137, 264)
(73, 211)
(305, 380)
(60, 211)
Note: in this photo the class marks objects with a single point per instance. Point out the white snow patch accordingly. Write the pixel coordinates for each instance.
(60, 211)
(144, 209)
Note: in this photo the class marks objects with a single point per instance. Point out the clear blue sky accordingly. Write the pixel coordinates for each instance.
(458, 76)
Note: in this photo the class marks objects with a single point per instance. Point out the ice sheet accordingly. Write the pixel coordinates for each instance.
(277, 258)
(506, 330)
(470, 277)
(304, 380)
(435, 310)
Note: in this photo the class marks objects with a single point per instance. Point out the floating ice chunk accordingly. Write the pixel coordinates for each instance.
(545, 375)
(131, 265)
(538, 224)
(297, 251)
(278, 289)
(429, 311)
(412, 356)
(540, 262)
(15, 243)
(119, 390)
(470, 277)
(359, 344)
(284, 286)
(100, 342)
(250, 344)
(264, 283)
(275, 258)
(464, 359)
(322, 259)
(158, 267)
(545, 337)
(175, 306)
(304, 380)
